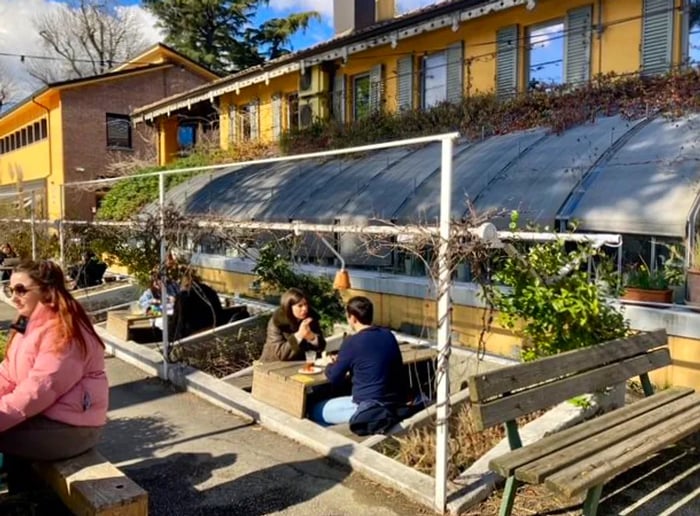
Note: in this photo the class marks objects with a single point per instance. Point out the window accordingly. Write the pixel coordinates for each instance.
(360, 96)
(23, 136)
(43, 129)
(693, 32)
(292, 112)
(545, 55)
(434, 79)
(186, 136)
(118, 131)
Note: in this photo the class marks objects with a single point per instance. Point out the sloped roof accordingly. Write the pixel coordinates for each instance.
(615, 175)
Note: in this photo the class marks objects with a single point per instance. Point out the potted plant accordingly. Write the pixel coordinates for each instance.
(643, 284)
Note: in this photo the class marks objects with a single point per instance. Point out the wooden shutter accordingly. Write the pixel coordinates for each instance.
(657, 36)
(577, 46)
(254, 120)
(339, 103)
(404, 69)
(376, 88)
(455, 73)
(507, 62)
(232, 123)
(276, 116)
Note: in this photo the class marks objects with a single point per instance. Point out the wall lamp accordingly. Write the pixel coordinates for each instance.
(342, 277)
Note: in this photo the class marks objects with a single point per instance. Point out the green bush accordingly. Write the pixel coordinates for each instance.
(552, 300)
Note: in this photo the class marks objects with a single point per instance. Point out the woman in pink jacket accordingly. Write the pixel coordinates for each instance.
(53, 387)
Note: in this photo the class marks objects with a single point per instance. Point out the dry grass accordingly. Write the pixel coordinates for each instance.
(529, 500)
(222, 356)
(417, 448)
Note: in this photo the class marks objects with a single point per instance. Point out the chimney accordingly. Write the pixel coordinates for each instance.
(352, 15)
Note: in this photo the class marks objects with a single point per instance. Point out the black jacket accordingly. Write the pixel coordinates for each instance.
(196, 309)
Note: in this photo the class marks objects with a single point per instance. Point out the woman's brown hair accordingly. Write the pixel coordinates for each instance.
(290, 298)
(52, 284)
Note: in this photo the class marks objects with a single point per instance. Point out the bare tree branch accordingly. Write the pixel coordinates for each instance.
(88, 37)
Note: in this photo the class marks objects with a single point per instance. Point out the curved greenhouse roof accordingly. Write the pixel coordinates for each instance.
(615, 175)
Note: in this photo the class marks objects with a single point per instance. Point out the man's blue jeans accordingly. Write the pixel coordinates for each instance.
(334, 411)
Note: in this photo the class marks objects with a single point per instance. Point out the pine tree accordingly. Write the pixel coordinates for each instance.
(220, 33)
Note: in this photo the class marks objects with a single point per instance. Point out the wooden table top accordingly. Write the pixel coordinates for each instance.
(290, 370)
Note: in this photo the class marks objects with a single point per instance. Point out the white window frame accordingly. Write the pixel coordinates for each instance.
(430, 72)
(528, 49)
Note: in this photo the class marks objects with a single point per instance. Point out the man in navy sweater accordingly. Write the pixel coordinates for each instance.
(372, 358)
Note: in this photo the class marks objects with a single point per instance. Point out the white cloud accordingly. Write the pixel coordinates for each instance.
(18, 36)
(541, 38)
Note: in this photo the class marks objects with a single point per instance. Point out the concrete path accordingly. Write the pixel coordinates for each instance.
(194, 459)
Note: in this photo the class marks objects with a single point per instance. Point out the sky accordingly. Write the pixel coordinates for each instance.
(18, 36)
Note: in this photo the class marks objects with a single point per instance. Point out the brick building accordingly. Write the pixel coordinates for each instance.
(72, 130)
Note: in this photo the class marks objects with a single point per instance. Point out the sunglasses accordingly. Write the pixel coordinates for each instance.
(18, 289)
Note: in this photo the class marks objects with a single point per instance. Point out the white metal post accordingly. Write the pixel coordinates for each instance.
(33, 226)
(61, 248)
(444, 329)
(163, 274)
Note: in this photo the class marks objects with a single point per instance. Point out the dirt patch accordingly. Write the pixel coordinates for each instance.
(224, 355)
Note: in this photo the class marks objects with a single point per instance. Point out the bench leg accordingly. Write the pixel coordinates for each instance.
(508, 497)
(590, 506)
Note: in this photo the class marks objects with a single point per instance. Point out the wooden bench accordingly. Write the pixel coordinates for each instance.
(90, 485)
(583, 458)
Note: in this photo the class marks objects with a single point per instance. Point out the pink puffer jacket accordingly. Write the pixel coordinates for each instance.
(35, 379)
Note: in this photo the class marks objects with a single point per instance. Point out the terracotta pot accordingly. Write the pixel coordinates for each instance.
(693, 282)
(648, 295)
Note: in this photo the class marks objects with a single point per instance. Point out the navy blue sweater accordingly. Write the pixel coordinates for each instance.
(373, 358)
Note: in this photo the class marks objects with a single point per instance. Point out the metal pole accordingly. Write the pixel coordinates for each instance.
(444, 330)
(61, 236)
(33, 226)
(163, 274)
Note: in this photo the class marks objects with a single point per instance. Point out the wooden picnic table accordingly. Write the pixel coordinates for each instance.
(120, 322)
(281, 385)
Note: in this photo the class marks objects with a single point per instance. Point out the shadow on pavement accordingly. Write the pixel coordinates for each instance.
(174, 484)
(139, 391)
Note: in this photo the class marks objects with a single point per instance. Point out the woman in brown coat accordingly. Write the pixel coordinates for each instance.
(292, 330)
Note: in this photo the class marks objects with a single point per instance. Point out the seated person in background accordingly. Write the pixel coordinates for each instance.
(196, 308)
(9, 258)
(151, 296)
(90, 271)
(379, 387)
(292, 330)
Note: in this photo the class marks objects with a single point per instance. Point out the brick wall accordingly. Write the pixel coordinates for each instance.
(84, 111)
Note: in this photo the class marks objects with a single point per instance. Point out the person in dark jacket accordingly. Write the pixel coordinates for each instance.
(293, 329)
(373, 360)
(197, 308)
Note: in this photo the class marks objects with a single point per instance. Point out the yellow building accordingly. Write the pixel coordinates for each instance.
(71, 130)
(443, 52)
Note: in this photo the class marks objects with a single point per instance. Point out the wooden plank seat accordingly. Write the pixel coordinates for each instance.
(91, 485)
(583, 458)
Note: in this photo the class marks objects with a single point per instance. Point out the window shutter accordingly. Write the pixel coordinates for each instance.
(254, 125)
(376, 88)
(233, 124)
(657, 36)
(507, 62)
(276, 116)
(455, 73)
(339, 97)
(577, 46)
(404, 69)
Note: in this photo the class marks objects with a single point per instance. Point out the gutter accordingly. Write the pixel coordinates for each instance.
(386, 34)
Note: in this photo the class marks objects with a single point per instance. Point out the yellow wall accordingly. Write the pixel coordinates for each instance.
(42, 159)
(263, 94)
(167, 140)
